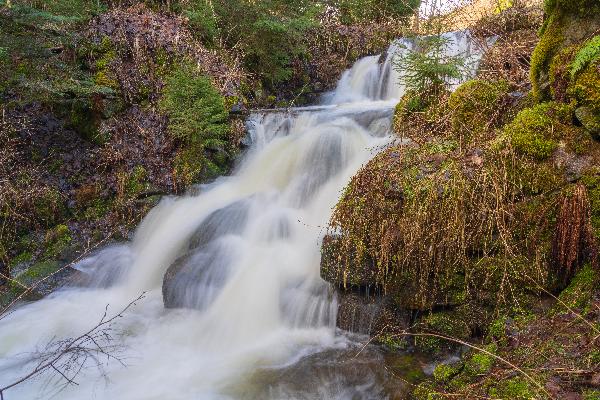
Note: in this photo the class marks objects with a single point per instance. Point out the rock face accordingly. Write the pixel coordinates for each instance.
(194, 278)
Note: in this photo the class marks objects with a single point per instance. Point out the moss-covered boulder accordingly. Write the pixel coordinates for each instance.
(566, 23)
(476, 107)
(537, 131)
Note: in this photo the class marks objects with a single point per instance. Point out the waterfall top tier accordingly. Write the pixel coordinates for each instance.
(375, 77)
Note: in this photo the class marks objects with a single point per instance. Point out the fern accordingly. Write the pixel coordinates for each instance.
(590, 52)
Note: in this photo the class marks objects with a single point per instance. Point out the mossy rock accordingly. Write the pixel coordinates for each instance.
(480, 362)
(443, 373)
(585, 87)
(445, 323)
(567, 23)
(560, 74)
(489, 276)
(578, 295)
(37, 271)
(575, 7)
(405, 365)
(517, 388)
(419, 115)
(475, 108)
(536, 131)
(194, 164)
(589, 119)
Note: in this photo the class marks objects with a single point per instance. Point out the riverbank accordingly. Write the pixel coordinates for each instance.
(482, 232)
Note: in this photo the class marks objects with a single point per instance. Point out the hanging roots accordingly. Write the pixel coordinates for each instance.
(573, 243)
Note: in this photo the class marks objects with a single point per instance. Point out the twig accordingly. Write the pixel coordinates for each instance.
(75, 349)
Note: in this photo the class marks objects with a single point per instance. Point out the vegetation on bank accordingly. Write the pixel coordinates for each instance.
(484, 227)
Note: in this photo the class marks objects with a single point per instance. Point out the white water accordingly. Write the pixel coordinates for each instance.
(249, 282)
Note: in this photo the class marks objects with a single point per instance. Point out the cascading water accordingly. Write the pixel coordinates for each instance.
(234, 304)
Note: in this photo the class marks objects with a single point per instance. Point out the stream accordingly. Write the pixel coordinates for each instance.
(233, 306)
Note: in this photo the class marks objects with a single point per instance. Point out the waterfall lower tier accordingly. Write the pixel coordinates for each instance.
(234, 306)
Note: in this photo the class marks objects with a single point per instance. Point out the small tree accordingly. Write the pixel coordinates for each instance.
(426, 68)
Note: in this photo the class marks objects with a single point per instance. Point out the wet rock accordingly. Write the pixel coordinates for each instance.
(589, 119)
(194, 278)
(355, 372)
(369, 314)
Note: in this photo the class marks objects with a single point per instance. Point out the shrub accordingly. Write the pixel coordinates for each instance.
(195, 108)
(270, 33)
(202, 21)
(353, 11)
(199, 120)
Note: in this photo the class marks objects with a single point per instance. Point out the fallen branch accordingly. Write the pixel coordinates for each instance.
(71, 354)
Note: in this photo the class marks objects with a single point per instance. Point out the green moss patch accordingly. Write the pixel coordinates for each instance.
(475, 107)
(536, 131)
(578, 295)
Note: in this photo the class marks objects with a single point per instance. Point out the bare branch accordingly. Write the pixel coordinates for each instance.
(66, 355)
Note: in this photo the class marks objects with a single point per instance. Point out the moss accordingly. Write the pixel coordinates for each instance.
(188, 167)
(24, 257)
(105, 54)
(559, 73)
(550, 40)
(472, 104)
(445, 323)
(591, 394)
(85, 120)
(592, 184)
(588, 53)
(497, 330)
(393, 342)
(585, 87)
(536, 131)
(491, 274)
(49, 207)
(37, 271)
(57, 241)
(193, 164)
(136, 181)
(594, 358)
(96, 209)
(578, 295)
(514, 388)
(445, 372)
(591, 122)
(231, 102)
(480, 362)
(406, 366)
(536, 178)
(426, 391)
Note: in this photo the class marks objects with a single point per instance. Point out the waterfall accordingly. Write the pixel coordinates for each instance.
(230, 272)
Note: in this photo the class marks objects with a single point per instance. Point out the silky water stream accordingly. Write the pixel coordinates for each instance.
(237, 265)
